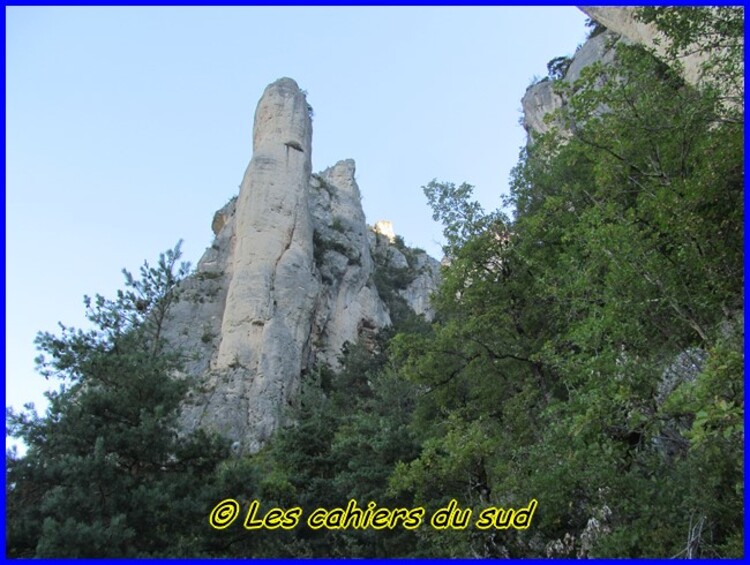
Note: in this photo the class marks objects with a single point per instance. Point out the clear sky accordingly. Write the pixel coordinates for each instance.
(128, 127)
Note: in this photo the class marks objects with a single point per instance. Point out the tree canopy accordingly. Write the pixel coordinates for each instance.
(106, 473)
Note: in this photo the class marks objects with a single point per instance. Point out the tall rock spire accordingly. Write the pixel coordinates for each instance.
(273, 287)
(289, 279)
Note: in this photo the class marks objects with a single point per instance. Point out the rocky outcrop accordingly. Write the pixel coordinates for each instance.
(348, 305)
(418, 291)
(544, 98)
(623, 21)
(273, 287)
(385, 227)
(289, 279)
(413, 273)
(697, 63)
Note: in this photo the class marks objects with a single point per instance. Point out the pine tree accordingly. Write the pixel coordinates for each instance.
(106, 473)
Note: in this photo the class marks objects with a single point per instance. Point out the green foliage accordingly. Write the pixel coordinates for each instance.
(105, 473)
(558, 66)
(554, 331)
(321, 246)
(716, 34)
(389, 279)
(351, 429)
(595, 28)
(209, 275)
(207, 336)
(462, 217)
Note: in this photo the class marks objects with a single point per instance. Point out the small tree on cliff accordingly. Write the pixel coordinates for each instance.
(106, 473)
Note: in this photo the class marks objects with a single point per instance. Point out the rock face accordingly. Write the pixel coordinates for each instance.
(290, 277)
(418, 291)
(541, 98)
(622, 25)
(623, 22)
(694, 62)
(348, 305)
(272, 291)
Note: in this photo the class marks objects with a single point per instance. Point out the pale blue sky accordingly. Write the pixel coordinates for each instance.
(128, 127)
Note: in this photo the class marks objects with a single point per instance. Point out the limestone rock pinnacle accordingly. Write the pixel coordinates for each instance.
(289, 279)
(272, 291)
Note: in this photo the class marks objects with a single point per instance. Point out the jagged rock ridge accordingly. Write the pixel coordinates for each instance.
(289, 278)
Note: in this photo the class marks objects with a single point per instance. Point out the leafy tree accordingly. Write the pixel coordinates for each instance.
(717, 34)
(555, 330)
(106, 473)
(545, 372)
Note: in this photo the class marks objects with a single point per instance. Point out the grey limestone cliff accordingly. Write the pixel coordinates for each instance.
(622, 25)
(543, 98)
(289, 279)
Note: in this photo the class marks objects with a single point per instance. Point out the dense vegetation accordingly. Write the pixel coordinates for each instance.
(587, 353)
(105, 473)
